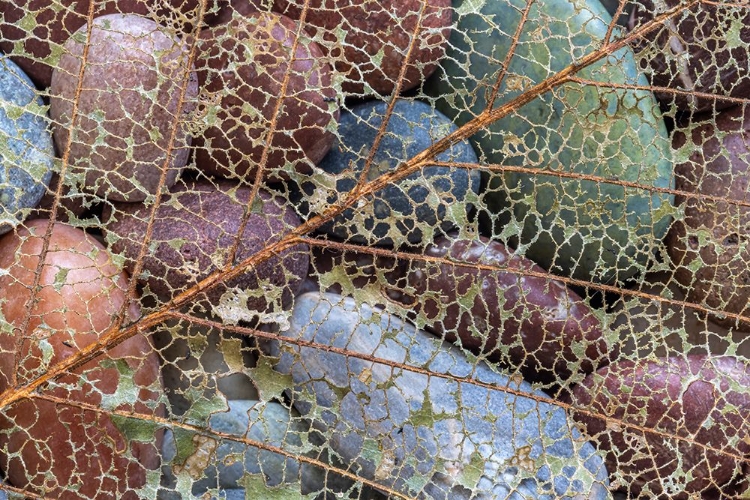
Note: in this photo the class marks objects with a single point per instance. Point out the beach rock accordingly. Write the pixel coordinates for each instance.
(591, 230)
(506, 315)
(672, 428)
(413, 210)
(32, 32)
(368, 43)
(428, 437)
(132, 112)
(708, 247)
(258, 48)
(193, 229)
(26, 152)
(704, 49)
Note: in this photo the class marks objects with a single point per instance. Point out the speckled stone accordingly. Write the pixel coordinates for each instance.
(26, 151)
(413, 210)
(429, 437)
(268, 423)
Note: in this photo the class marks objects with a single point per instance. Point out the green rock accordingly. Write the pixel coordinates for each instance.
(579, 228)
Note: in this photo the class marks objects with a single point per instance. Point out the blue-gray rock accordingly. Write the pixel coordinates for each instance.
(26, 150)
(268, 423)
(414, 210)
(428, 437)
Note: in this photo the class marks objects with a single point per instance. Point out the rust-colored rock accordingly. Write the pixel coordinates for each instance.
(62, 447)
(704, 49)
(523, 321)
(194, 228)
(41, 27)
(709, 247)
(128, 106)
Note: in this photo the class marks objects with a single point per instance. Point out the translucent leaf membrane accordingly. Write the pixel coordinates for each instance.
(375, 249)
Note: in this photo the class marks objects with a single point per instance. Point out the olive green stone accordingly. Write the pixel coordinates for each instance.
(585, 229)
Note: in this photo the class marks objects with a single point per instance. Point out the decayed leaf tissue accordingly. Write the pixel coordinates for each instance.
(418, 249)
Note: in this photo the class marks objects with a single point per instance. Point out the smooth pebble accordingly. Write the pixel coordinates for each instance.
(428, 202)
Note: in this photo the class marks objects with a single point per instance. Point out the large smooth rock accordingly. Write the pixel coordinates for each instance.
(413, 210)
(585, 229)
(428, 437)
(534, 323)
(132, 114)
(26, 151)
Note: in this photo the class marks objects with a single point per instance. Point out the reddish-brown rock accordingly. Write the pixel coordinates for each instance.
(704, 49)
(194, 228)
(243, 65)
(41, 27)
(62, 447)
(127, 108)
(671, 427)
(369, 41)
(523, 321)
(709, 246)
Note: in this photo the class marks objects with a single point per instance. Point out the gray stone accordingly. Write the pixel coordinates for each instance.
(268, 423)
(413, 210)
(26, 150)
(428, 437)
(201, 364)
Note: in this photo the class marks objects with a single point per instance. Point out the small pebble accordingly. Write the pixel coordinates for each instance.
(428, 437)
(26, 151)
(413, 210)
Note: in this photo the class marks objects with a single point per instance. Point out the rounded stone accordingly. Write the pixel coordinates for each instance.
(695, 408)
(536, 324)
(368, 42)
(194, 227)
(708, 246)
(587, 229)
(413, 210)
(80, 294)
(438, 436)
(243, 65)
(26, 151)
(127, 126)
(704, 49)
(268, 423)
(32, 32)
